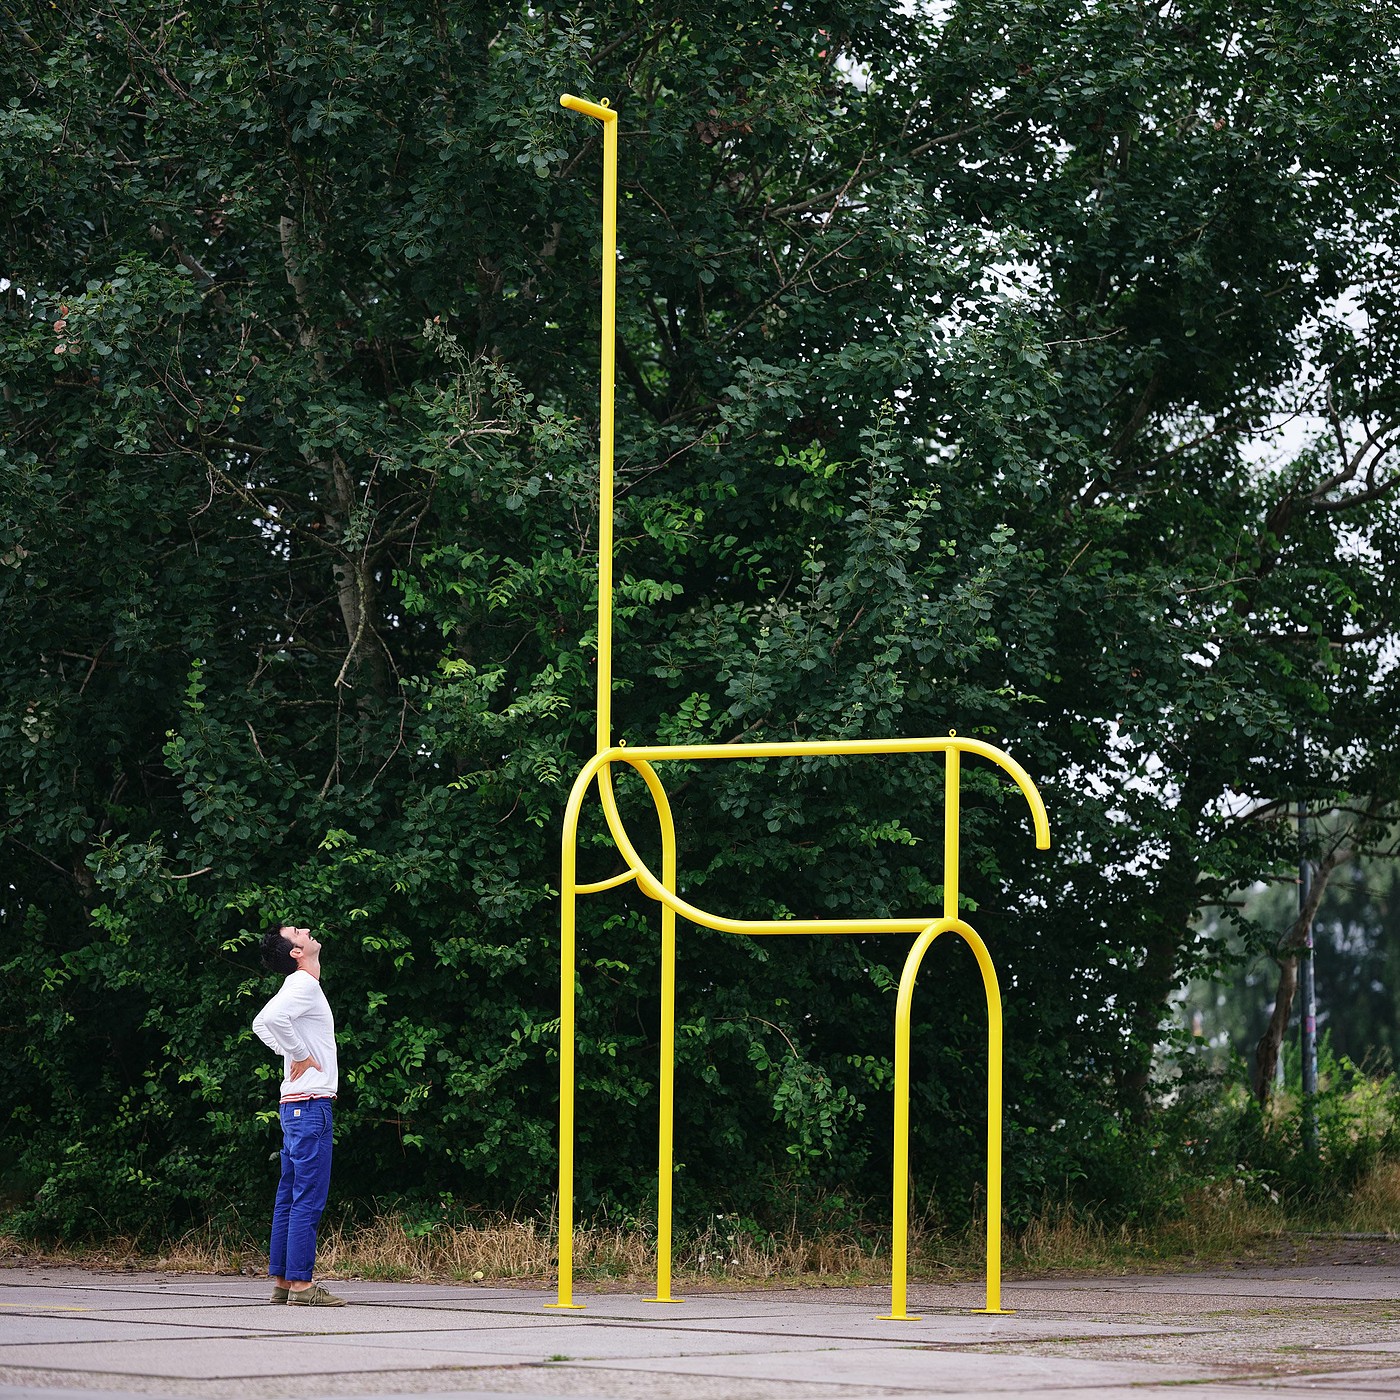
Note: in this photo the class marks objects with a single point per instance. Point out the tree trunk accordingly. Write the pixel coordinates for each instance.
(353, 574)
(1176, 902)
(1266, 1053)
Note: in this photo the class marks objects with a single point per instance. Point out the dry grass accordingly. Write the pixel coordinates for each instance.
(729, 1248)
(1229, 1219)
(1060, 1238)
(509, 1248)
(1375, 1204)
(504, 1248)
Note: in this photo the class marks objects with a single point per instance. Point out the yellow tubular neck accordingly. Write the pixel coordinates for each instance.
(607, 354)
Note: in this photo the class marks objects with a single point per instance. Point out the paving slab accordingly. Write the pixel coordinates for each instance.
(1384, 1381)
(33, 1299)
(27, 1392)
(239, 1357)
(71, 1288)
(1347, 1282)
(284, 1319)
(949, 1328)
(620, 1305)
(613, 1343)
(26, 1329)
(923, 1369)
(30, 1392)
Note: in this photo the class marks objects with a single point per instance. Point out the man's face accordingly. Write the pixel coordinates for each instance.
(301, 941)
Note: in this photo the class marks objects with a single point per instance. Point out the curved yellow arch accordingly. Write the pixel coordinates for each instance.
(900, 1241)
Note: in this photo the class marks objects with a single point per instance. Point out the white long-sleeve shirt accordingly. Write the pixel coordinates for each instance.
(297, 1023)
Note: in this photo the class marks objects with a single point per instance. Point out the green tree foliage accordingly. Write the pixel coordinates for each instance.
(947, 345)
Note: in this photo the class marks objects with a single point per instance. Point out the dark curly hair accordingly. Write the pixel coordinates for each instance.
(277, 950)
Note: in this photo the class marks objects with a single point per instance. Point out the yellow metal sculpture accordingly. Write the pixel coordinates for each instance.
(663, 888)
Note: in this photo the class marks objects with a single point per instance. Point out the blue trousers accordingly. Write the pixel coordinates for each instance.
(302, 1191)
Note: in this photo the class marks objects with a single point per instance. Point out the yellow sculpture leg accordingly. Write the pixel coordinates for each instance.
(994, 1112)
(600, 768)
(566, 1085)
(568, 892)
(899, 1264)
(665, 1147)
(665, 1169)
(899, 1197)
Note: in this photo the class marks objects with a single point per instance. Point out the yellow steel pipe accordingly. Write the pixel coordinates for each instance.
(952, 796)
(611, 883)
(568, 889)
(666, 1114)
(899, 1254)
(568, 892)
(607, 355)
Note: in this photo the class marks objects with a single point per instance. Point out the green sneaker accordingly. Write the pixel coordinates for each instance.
(315, 1297)
(279, 1295)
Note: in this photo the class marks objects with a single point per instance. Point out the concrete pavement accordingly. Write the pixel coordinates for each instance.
(1243, 1334)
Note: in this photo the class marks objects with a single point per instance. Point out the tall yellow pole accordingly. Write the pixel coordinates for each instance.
(605, 433)
(607, 356)
(568, 886)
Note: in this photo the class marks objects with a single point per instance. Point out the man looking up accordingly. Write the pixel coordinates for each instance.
(297, 1024)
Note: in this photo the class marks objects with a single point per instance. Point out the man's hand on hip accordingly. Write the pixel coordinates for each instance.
(299, 1067)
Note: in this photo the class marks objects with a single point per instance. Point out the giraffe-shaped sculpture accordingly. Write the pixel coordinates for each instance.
(664, 888)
